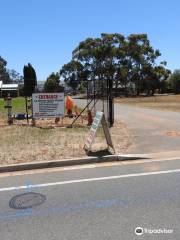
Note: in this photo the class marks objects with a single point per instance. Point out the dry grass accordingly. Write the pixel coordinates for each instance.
(19, 144)
(26, 144)
(163, 102)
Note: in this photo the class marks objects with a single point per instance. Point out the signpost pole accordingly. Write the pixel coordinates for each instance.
(27, 113)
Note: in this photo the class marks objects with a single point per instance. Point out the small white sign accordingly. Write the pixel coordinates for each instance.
(48, 105)
(93, 130)
(99, 119)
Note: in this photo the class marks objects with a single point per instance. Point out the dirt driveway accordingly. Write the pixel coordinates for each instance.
(150, 130)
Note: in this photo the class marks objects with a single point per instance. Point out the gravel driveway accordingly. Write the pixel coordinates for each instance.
(150, 130)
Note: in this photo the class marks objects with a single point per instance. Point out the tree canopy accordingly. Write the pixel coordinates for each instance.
(4, 75)
(174, 81)
(8, 75)
(15, 76)
(73, 73)
(52, 83)
(126, 61)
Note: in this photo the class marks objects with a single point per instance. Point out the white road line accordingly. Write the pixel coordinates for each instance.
(79, 167)
(88, 180)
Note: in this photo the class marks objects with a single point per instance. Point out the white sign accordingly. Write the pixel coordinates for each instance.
(99, 118)
(93, 130)
(48, 105)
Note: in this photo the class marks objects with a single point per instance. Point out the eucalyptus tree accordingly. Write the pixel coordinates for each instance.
(73, 73)
(119, 61)
(52, 83)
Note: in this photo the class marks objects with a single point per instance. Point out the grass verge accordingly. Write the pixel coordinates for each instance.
(167, 103)
(22, 144)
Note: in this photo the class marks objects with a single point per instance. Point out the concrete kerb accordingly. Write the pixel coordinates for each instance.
(68, 162)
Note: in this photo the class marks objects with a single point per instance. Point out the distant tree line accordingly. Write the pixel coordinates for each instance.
(52, 84)
(173, 82)
(129, 62)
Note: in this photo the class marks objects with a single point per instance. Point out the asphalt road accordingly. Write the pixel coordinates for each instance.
(151, 130)
(106, 202)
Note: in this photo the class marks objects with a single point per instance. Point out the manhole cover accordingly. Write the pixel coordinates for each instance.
(27, 200)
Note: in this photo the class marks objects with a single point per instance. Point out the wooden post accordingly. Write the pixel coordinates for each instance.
(27, 113)
(9, 109)
(31, 107)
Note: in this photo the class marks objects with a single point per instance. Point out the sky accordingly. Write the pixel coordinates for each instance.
(45, 32)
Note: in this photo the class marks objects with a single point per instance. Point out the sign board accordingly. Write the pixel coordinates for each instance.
(93, 130)
(99, 118)
(48, 105)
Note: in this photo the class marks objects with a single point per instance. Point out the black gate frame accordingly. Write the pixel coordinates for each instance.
(96, 94)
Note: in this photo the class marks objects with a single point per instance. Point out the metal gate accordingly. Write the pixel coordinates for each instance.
(99, 98)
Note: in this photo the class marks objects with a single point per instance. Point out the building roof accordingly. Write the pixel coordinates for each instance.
(9, 87)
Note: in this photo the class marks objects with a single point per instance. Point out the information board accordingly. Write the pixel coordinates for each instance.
(47, 105)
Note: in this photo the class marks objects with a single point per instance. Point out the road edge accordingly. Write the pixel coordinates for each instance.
(69, 162)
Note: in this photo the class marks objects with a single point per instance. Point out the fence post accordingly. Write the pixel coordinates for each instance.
(9, 109)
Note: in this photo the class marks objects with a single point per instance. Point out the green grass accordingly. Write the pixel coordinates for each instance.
(18, 105)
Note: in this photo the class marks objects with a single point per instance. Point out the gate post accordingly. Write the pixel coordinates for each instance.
(110, 103)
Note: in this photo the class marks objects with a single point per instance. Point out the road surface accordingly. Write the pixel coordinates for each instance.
(102, 203)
